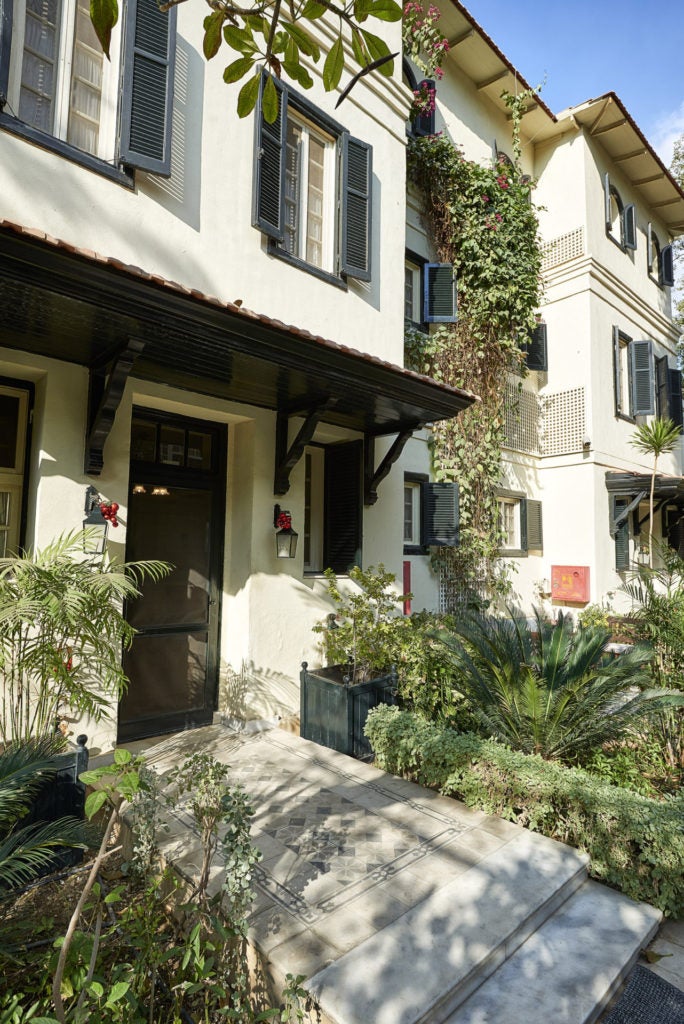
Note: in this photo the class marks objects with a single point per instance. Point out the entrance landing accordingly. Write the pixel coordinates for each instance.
(400, 906)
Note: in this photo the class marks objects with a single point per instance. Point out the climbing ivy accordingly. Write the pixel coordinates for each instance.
(483, 221)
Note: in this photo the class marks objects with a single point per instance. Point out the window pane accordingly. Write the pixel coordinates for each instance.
(408, 515)
(9, 431)
(314, 219)
(86, 85)
(37, 72)
(408, 292)
(143, 441)
(172, 445)
(199, 450)
(4, 508)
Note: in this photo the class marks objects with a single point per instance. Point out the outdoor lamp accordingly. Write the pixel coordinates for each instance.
(99, 514)
(286, 538)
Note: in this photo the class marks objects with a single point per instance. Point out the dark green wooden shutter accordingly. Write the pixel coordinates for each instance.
(149, 59)
(533, 520)
(666, 266)
(662, 382)
(621, 536)
(606, 201)
(536, 352)
(641, 364)
(617, 372)
(675, 397)
(269, 167)
(439, 293)
(6, 11)
(440, 515)
(357, 213)
(425, 124)
(342, 532)
(629, 229)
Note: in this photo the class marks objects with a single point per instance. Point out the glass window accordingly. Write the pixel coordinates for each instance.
(309, 193)
(60, 81)
(412, 513)
(14, 415)
(509, 523)
(314, 463)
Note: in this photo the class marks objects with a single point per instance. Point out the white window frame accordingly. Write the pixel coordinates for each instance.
(12, 477)
(308, 130)
(510, 540)
(63, 62)
(412, 506)
(415, 271)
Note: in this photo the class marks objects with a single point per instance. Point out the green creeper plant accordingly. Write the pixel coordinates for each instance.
(544, 688)
(482, 220)
(61, 633)
(656, 438)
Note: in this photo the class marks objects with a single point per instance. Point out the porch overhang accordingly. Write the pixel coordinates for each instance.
(76, 306)
(636, 487)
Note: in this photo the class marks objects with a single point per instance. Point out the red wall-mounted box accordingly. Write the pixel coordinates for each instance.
(570, 583)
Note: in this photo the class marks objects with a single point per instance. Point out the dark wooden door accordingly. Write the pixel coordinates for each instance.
(176, 514)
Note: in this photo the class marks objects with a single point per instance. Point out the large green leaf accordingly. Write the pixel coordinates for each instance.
(334, 66)
(298, 73)
(213, 24)
(306, 43)
(269, 101)
(240, 39)
(249, 94)
(104, 15)
(313, 10)
(238, 69)
(378, 48)
(385, 10)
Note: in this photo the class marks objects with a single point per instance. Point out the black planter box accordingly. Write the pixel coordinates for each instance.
(333, 713)
(60, 797)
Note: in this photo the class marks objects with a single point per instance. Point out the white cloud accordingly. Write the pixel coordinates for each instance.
(666, 131)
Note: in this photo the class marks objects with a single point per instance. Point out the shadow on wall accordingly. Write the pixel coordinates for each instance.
(181, 193)
(250, 692)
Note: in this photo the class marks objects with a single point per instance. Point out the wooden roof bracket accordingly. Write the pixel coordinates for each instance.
(287, 458)
(617, 522)
(104, 397)
(372, 477)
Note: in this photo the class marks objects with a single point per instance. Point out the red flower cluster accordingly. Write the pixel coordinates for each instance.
(503, 181)
(284, 521)
(109, 510)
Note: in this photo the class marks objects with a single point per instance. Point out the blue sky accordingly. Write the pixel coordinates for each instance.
(584, 49)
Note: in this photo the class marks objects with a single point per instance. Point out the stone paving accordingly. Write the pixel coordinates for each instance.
(395, 903)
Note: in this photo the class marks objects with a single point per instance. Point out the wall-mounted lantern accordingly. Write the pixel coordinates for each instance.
(286, 538)
(99, 515)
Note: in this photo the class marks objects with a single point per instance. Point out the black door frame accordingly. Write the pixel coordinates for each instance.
(214, 480)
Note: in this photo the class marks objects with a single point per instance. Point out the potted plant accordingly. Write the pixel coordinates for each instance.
(360, 644)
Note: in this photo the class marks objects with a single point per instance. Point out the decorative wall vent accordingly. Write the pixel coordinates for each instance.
(522, 420)
(563, 422)
(562, 249)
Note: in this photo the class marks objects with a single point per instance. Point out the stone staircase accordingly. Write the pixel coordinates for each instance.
(520, 938)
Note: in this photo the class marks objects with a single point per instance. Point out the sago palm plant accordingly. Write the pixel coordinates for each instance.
(27, 851)
(61, 633)
(544, 688)
(656, 439)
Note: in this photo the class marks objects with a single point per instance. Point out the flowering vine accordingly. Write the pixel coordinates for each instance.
(483, 222)
(424, 43)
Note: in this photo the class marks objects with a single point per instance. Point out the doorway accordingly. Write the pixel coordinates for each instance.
(176, 509)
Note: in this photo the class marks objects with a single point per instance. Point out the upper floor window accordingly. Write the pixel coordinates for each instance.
(58, 89)
(633, 370)
(306, 169)
(660, 261)
(430, 294)
(620, 218)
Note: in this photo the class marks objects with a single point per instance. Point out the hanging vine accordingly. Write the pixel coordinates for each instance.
(482, 221)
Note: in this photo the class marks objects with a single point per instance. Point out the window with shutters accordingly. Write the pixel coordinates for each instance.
(58, 89)
(620, 217)
(332, 507)
(430, 293)
(14, 422)
(520, 524)
(414, 504)
(660, 261)
(668, 385)
(634, 376)
(312, 194)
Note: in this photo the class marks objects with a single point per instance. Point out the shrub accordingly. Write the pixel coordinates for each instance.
(636, 844)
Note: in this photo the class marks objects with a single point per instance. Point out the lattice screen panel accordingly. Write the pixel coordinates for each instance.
(565, 247)
(453, 596)
(563, 422)
(522, 420)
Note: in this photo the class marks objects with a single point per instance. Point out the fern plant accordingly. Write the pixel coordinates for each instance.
(544, 688)
(61, 632)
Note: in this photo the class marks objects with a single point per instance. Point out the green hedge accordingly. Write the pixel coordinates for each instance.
(636, 844)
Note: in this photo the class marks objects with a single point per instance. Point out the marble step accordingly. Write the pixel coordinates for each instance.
(426, 963)
(569, 969)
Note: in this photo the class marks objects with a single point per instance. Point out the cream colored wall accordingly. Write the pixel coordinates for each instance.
(195, 227)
